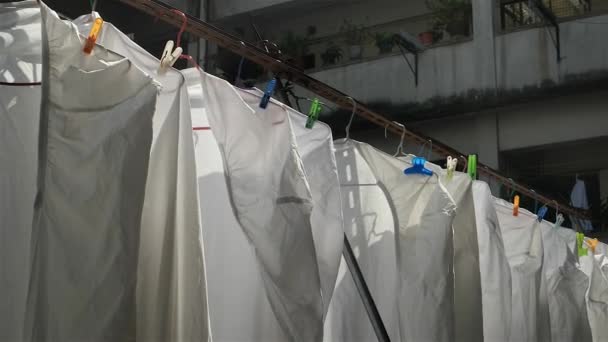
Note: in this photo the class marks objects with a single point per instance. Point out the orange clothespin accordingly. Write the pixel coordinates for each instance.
(516, 205)
(92, 38)
(592, 243)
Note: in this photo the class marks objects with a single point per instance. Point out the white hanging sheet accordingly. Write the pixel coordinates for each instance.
(87, 225)
(272, 202)
(370, 225)
(523, 243)
(594, 266)
(494, 267)
(316, 148)
(239, 309)
(20, 61)
(171, 290)
(468, 313)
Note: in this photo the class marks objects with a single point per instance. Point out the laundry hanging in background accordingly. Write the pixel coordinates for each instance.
(93, 168)
(578, 199)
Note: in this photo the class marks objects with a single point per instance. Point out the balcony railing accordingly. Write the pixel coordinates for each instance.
(376, 41)
(515, 14)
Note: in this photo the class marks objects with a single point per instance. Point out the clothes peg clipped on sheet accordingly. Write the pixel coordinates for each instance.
(268, 93)
(313, 113)
(93, 34)
(541, 213)
(472, 166)
(170, 56)
(592, 244)
(418, 167)
(580, 239)
(451, 166)
(516, 205)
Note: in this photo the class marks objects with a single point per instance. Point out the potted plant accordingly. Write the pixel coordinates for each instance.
(332, 55)
(354, 36)
(384, 42)
(451, 16)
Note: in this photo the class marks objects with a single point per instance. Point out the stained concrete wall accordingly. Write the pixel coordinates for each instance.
(517, 61)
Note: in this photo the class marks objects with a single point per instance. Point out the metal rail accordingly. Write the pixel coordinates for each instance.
(210, 33)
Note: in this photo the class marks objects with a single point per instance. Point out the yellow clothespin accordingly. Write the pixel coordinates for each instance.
(92, 38)
(516, 205)
(592, 243)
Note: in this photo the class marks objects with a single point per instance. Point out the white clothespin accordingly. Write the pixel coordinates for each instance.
(169, 56)
(451, 166)
(558, 221)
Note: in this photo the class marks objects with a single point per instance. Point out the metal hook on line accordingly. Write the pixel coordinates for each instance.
(352, 116)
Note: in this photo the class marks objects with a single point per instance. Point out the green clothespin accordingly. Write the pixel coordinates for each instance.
(472, 166)
(313, 113)
(580, 239)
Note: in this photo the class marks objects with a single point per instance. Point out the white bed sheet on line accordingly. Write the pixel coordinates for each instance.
(171, 290)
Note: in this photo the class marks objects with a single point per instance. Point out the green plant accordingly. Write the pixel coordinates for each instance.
(354, 34)
(294, 45)
(384, 41)
(452, 16)
(332, 54)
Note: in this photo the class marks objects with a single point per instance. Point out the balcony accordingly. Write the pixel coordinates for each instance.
(465, 75)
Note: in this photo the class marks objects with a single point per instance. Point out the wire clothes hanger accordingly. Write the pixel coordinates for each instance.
(352, 116)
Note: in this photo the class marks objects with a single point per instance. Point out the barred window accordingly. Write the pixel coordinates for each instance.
(516, 13)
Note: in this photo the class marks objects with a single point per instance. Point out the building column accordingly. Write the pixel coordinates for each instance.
(484, 43)
(487, 145)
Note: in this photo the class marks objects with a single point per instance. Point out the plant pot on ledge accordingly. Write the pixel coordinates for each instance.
(426, 38)
(356, 52)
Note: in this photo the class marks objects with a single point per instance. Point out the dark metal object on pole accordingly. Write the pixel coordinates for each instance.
(366, 296)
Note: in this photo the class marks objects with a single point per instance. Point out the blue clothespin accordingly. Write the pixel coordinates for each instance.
(268, 93)
(418, 167)
(542, 212)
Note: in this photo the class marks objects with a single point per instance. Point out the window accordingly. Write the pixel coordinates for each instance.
(516, 13)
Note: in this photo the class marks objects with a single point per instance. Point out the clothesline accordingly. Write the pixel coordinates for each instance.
(208, 32)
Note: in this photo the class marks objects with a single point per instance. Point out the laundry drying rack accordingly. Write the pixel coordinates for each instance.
(284, 70)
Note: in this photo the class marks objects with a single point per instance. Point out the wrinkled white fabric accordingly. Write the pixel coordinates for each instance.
(566, 288)
(523, 243)
(20, 61)
(494, 267)
(370, 225)
(171, 291)
(401, 232)
(273, 205)
(597, 295)
(239, 309)
(87, 222)
(317, 151)
(468, 312)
